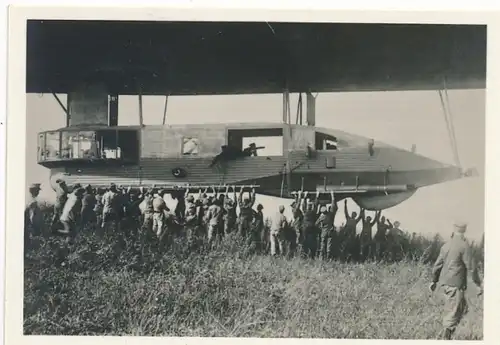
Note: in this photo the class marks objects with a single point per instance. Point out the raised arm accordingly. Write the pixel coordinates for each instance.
(335, 208)
(240, 197)
(346, 211)
(361, 215)
(316, 203)
(303, 204)
(296, 202)
(252, 197)
(390, 224)
(377, 218)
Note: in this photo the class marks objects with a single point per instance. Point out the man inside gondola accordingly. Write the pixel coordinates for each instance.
(231, 152)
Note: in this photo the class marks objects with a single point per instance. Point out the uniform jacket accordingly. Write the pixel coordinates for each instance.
(454, 262)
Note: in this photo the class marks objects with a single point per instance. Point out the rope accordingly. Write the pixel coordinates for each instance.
(288, 110)
(299, 110)
(450, 129)
(283, 181)
(452, 126)
(165, 110)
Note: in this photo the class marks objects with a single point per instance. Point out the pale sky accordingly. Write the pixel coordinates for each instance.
(397, 118)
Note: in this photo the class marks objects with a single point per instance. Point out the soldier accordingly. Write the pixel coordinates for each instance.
(111, 213)
(99, 206)
(395, 238)
(309, 230)
(61, 196)
(169, 222)
(180, 208)
(71, 214)
(189, 201)
(202, 203)
(133, 211)
(380, 237)
(349, 232)
(259, 230)
(219, 200)
(451, 267)
(215, 221)
(365, 238)
(33, 217)
(246, 213)
(230, 215)
(159, 216)
(88, 205)
(192, 226)
(296, 225)
(147, 211)
(278, 225)
(325, 223)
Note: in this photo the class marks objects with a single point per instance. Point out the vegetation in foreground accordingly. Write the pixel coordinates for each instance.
(95, 286)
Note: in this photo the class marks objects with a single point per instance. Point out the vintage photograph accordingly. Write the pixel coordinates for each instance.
(254, 179)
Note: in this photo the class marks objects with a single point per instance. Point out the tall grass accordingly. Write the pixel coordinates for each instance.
(101, 286)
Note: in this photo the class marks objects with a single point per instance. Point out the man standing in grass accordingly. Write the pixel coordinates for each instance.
(246, 213)
(310, 232)
(33, 218)
(452, 265)
(277, 236)
(230, 212)
(112, 201)
(325, 223)
(61, 197)
(298, 217)
(71, 213)
(215, 222)
(365, 238)
(349, 232)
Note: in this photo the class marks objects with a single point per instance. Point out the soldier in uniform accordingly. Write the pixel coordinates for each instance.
(88, 205)
(395, 239)
(189, 201)
(159, 217)
(380, 238)
(296, 225)
(348, 233)
(192, 226)
(215, 221)
(451, 268)
(277, 235)
(230, 215)
(61, 196)
(133, 212)
(309, 229)
(365, 238)
(325, 223)
(112, 208)
(246, 213)
(259, 230)
(71, 214)
(33, 218)
(99, 206)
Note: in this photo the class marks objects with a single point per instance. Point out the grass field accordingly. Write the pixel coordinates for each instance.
(95, 287)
